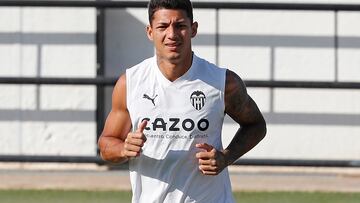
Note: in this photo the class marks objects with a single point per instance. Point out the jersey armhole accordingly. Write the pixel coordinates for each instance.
(128, 95)
(127, 78)
(223, 86)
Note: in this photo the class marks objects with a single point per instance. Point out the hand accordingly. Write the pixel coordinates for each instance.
(135, 141)
(211, 161)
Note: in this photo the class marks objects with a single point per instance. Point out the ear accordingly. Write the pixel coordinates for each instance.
(194, 28)
(149, 32)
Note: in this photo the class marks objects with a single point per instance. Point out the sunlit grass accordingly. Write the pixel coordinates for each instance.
(75, 196)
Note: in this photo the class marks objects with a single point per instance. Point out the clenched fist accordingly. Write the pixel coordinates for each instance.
(211, 161)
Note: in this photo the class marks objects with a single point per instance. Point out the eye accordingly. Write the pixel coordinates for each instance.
(161, 27)
(182, 26)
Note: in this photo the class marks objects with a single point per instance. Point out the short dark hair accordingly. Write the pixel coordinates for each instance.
(155, 5)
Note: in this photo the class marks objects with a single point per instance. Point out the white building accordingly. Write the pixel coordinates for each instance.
(257, 44)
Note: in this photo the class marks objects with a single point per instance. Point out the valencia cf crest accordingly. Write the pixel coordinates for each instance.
(198, 99)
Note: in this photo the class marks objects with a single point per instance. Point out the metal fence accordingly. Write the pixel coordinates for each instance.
(100, 81)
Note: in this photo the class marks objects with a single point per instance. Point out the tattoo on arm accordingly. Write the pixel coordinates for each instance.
(243, 110)
(235, 94)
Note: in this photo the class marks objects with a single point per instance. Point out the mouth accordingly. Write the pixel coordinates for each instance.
(173, 45)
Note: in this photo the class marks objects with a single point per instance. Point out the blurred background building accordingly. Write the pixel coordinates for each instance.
(258, 44)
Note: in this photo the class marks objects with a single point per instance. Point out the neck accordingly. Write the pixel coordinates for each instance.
(173, 69)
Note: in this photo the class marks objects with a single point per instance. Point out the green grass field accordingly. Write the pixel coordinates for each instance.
(60, 196)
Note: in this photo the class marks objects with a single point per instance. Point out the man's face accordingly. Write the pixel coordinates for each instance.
(171, 32)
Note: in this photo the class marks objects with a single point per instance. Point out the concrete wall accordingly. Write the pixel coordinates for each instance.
(258, 45)
(274, 45)
(298, 45)
(47, 119)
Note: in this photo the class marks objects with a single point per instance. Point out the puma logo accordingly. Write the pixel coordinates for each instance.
(145, 96)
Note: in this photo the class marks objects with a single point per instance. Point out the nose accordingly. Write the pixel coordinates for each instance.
(172, 32)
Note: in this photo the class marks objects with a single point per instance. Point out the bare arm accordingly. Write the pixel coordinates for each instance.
(240, 107)
(243, 110)
(117, 144)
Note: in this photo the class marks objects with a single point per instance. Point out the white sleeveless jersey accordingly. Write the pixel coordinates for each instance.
(180, 114)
